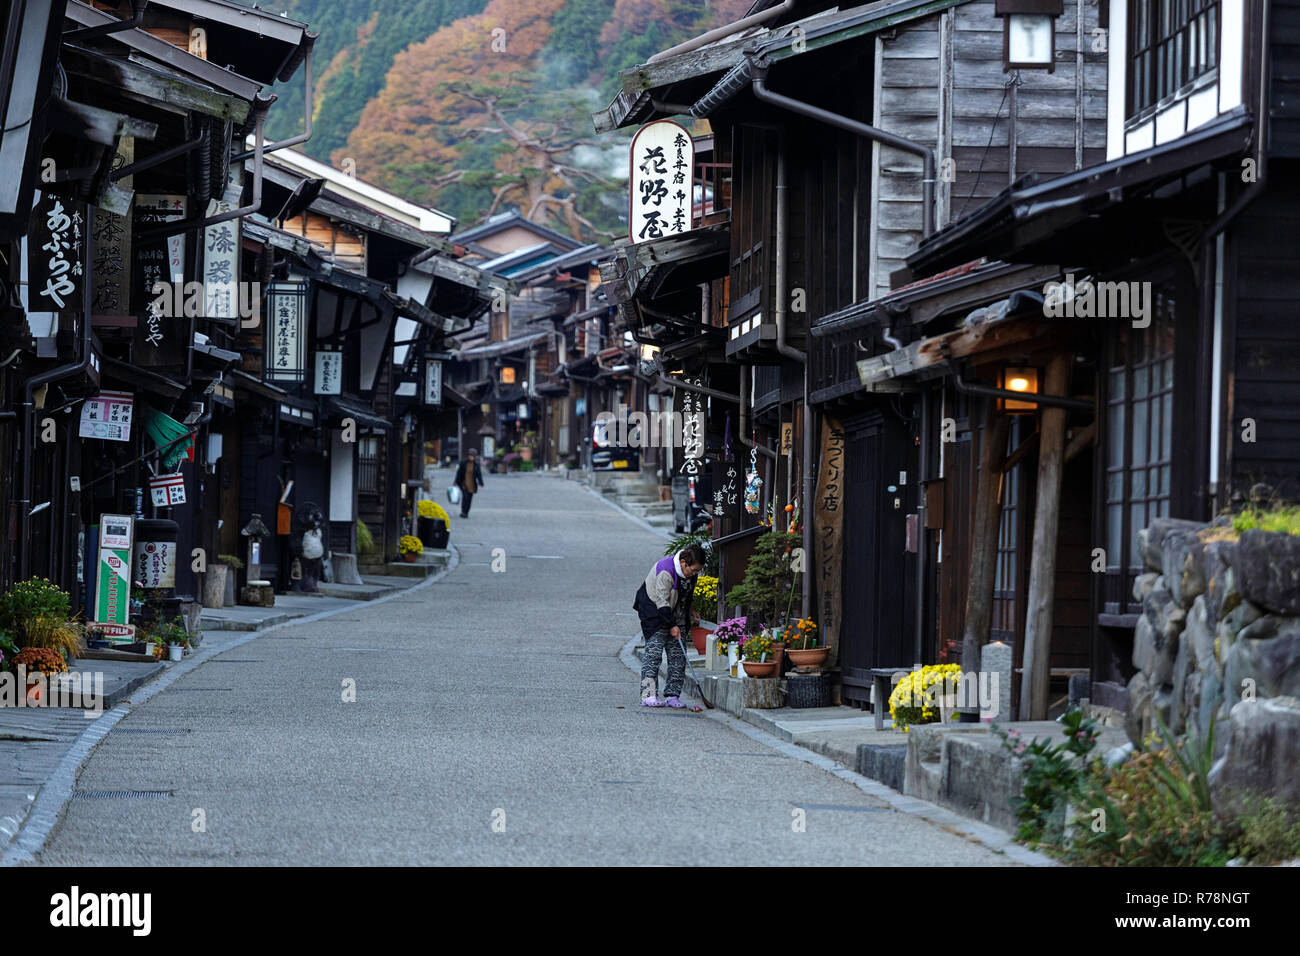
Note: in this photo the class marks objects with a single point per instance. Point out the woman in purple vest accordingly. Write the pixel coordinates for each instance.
(664, 603)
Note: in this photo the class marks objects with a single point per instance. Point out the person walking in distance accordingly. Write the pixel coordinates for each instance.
(469, 479)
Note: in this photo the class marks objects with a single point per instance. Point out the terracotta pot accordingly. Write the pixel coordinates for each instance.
(36, 690)
(812, 657)
(698, 636)
(409, 557)
(763, 669)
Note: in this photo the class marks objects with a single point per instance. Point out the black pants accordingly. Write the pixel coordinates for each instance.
(466, 499)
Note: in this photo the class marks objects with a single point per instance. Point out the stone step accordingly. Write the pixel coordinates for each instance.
(355, 592)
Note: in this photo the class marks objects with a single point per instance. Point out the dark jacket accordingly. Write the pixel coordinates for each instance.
(460, 475)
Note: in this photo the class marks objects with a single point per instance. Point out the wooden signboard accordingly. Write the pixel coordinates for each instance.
(828, 534)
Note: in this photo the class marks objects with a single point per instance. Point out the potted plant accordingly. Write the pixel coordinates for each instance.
(410, 548)
(801, 645)
(233, 566)
(36, 613)
(759, 655)
(768, 587)
(730, 634)
(706, 595)
(172, 636)
(432, 523)
(43, 661)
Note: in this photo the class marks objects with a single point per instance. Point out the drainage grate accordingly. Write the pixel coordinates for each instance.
(151, 730)
(121, 794)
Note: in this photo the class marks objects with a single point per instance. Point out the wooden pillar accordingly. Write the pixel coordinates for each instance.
(984, 543)
(1042, 567)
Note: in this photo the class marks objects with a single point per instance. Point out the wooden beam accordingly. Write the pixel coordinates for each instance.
(1026, 446)
(1042, 567)
(984, 544)
(1080, 441)
(927, 353)
(159, 89)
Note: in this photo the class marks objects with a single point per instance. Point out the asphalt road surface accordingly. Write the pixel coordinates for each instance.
(493, 724)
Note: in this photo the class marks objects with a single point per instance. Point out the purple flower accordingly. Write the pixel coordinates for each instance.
(1013, 733)
(1021, 749)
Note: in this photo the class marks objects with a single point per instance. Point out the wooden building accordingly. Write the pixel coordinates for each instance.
(847, 136)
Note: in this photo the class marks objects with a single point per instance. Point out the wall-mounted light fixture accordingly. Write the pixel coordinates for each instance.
(507, 375)
(1019, 380)
(1029, 33)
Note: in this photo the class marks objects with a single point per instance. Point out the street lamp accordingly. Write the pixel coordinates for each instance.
(1029, 33)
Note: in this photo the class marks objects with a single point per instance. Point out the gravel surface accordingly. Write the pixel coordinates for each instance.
(490, 727)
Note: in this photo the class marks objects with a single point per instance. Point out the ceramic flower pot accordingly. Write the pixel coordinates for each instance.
(175, 651)
(409, 557)
(698, 636)
(760, 669)
(812, 657)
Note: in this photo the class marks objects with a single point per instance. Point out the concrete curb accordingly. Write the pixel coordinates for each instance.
(52, 799)
(981, 833)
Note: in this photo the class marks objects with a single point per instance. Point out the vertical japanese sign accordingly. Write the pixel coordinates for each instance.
(829, 531)
(432, 382)
(692, 429)
(56, 255)
(727, 490)
(221, 265)
(110, 265)
(284, 353)
(329, 373)
(113, 583)
(107, 415)
(159, 260)
(660, 187)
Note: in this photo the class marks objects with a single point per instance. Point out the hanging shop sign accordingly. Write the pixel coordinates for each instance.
(167, 490)
(284, 355)
(660, 187)
(329, 373)
(151, 209)
(221, 265)
(107, 415)
(692, 428)
(113, 582)
(728, 490)
(110, 264)
(432, 382)
(56, 255)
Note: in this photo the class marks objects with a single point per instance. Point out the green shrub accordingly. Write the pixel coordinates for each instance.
(365, 540)
(1282, 518)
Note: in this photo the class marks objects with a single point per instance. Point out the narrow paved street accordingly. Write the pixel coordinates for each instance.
(487, 695)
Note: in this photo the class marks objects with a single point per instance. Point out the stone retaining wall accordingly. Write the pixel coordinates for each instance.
(1219, 640)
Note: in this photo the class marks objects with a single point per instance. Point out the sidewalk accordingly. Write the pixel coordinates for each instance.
(957, 774)
(36, 742)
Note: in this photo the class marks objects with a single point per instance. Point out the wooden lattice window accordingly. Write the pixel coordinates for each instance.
(1171, 43)
(1139, 446)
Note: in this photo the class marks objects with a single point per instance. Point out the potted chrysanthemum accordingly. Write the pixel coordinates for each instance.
(432, 523)
(802, 644)
(730, 633)
(410, 547)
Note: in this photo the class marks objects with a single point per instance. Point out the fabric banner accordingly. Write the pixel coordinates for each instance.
(829, 533)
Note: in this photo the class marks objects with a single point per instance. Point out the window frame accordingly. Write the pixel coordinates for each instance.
(1158, 34)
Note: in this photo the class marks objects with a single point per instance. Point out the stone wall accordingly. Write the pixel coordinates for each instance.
(1219, 640)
